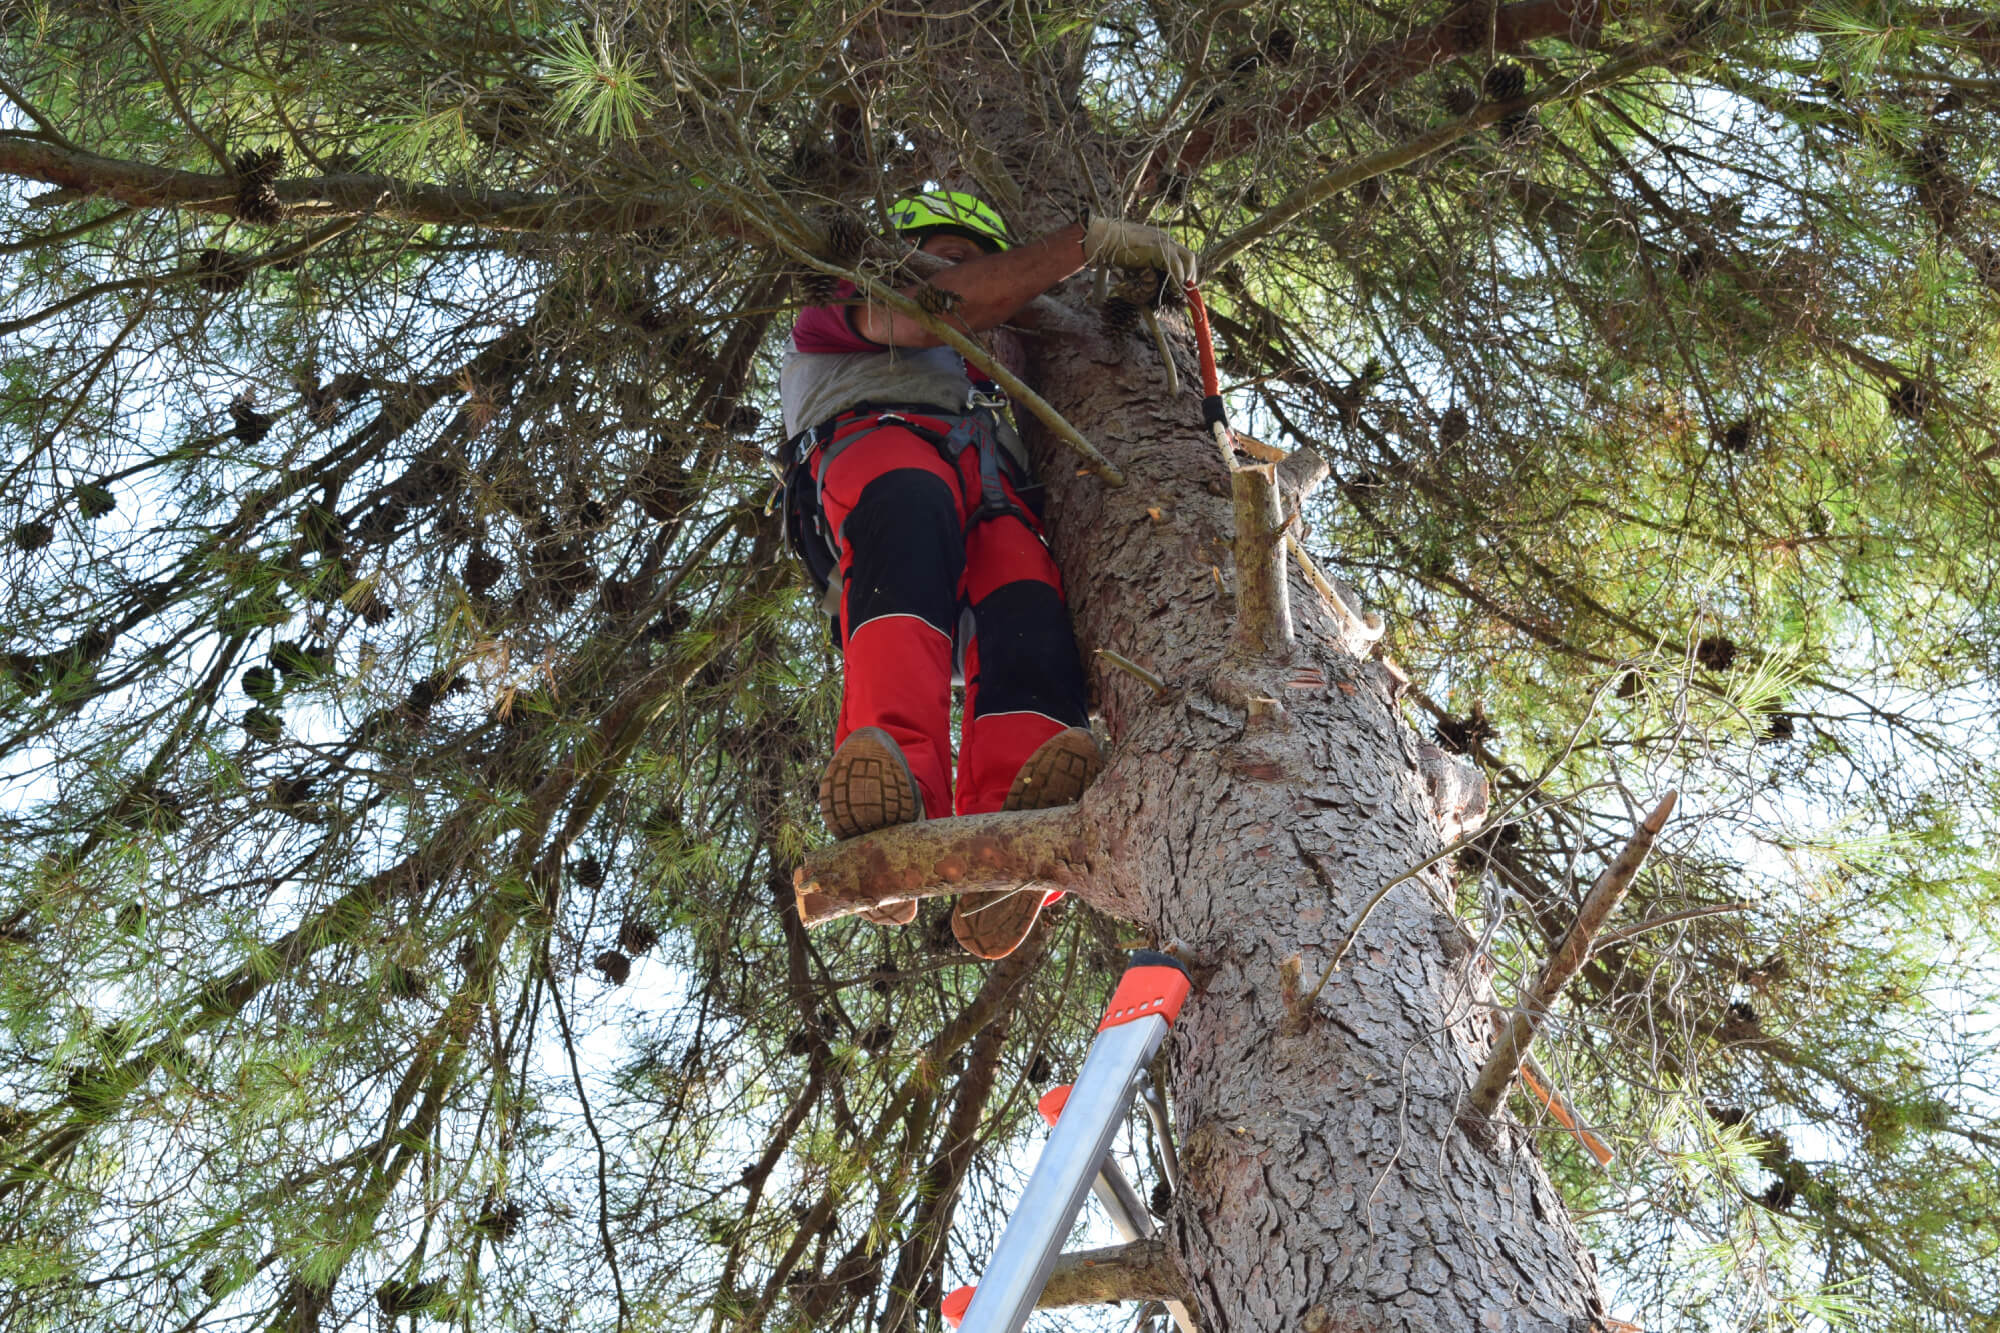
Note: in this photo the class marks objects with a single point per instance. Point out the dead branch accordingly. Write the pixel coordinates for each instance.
(924, 860)
(1511, 1047)
(1137, 672)
(1369, 625)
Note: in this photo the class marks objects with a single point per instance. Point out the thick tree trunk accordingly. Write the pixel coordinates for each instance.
(1328, 1182)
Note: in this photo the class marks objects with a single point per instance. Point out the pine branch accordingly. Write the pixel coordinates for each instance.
(1142, 1270)
(1324, 86)
(924, 860)
(1353, 172)
(88, 175)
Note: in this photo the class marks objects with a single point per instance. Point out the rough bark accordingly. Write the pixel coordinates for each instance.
(1327, 1184)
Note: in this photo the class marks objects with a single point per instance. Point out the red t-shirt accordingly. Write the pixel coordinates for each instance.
(822, 330)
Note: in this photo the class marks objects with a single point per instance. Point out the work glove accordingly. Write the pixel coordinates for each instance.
(1110, 242)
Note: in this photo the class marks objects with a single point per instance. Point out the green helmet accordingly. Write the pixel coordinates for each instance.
(952, 212)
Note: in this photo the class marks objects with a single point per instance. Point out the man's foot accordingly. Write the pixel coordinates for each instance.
(993, 924)
(869, 786)
(1057, 772)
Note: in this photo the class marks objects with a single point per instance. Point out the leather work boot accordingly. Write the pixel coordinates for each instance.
(869, 786)
(992, 924)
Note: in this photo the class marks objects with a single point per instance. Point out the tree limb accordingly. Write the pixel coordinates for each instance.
(924, 860)
(1263, 597)
(1142, 1270)
(1511, 1047)
(1325, 86)
(143, 186)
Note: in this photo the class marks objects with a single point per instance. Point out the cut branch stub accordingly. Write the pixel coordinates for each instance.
(1263, 601)
(924, 860)
(1510, 1048)
(1142, 1270)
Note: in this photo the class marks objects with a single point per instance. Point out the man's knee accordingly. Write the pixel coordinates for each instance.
(903, 550)
(1027, 653)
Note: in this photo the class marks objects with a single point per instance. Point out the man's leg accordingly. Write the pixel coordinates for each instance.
(1026, 743)
(895, 509)
(1023, 680)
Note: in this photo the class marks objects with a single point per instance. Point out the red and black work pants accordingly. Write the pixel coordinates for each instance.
(924, 572)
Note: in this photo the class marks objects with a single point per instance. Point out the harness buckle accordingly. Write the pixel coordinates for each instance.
(976, 398)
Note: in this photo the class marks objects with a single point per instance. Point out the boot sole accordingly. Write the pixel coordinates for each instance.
(868, 786)
(993, 924)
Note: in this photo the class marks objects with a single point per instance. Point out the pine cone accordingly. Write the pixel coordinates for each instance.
(373, 609)
(1908, 400)
(500, 1220)
(614, 965)
(323, 402)
(94, 501)
(636, 936)
(1464, 735)
(256, 199)
(1717, 652)
(816, 288)
(936, 300)
(846, 235)
(33, 535)
(400, 1298)
(219, 271)
(1516, 131)
(1459, 99)
(482, 571)
(262, 166)
(621, 597)
(1505, 82)
(1120, 316)
(1453, 426)
(259, 205)
(251, 425)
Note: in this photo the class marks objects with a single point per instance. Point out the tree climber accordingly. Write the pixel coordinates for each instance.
(904, 495)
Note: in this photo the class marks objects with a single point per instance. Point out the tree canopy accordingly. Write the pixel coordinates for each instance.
(411, 717)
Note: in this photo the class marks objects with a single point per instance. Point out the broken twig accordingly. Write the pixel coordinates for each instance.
(1137, 672)
(1511, 1047)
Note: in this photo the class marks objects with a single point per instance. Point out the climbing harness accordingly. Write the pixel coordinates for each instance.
(803, 458)
(1084, 1118)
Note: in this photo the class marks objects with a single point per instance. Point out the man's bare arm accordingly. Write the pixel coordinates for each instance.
(990, 289)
